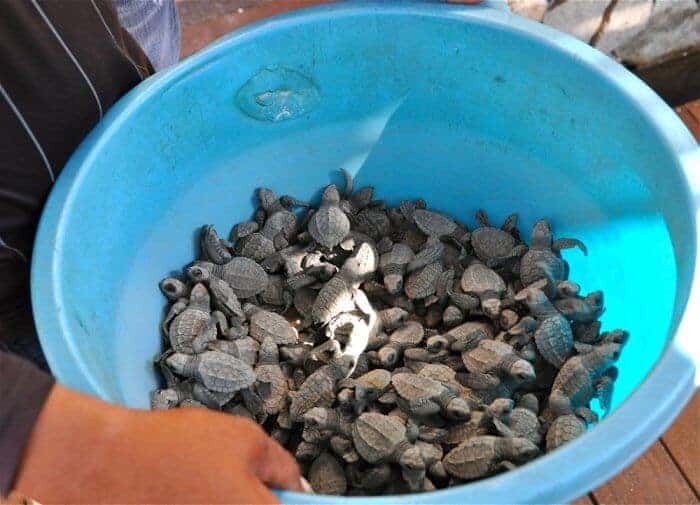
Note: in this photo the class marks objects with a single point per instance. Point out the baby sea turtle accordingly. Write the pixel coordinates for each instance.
(409, 335)
(575, 384)
(194, 327)
(422, 396)
(271, 383)
(464, 337)
(498, 358)
(487, 285)
(337, 294)
(494, 246)
(216, 370)
(393, 266)
(484, 455)
(327, 476)
(544, 251)
(265, 324)
(213, 248)
(379, 438)
(329, 225)
(244, 275)
(319, 388)
(522, 421)
(223, 297)
(553, 337)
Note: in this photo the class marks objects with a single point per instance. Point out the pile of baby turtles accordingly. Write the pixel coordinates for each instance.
(391, 349)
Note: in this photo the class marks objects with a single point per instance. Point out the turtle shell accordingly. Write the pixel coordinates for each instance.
(531, 272)
(186, 326)
(327, 475)
(329, 225)
(524, 423)
(400, 254)
(272, 387)
(487, 356)
(474, 458)
(423, 283)
(376, 436)
(283, 221)
(255, 246)
(223, 373)
(376, 380)
(554, 340)
(433, 223)
(415, 387)
(335, 297)
(265, 324)
(373, 222)
(491, 243)
(564, 429)
(245, 277)
(467, 336)
(409, 335)
(479, 279)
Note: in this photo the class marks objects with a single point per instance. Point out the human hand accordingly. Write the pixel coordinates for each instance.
(83, 450)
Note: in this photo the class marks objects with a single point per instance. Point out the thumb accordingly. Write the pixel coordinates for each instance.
(274, 465)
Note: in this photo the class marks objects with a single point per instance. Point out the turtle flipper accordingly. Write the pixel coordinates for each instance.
(569, 243)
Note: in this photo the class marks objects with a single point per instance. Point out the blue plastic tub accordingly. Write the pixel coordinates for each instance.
(468, 107)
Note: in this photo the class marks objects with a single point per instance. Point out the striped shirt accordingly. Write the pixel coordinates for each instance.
(63, 63)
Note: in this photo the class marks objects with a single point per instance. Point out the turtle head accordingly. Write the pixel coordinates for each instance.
(500, 408)
(331, 195)
(609, 352)
(173, 288)
(458, 409)
(164, 399)
(200, 271)
(412, 460)
(317, 418)
(199, 296)
(534, 297)
(542, 235)
(522, 370)
(388, 356)
(393, 283)
(266, 197)
(522, 449)
(491, 307)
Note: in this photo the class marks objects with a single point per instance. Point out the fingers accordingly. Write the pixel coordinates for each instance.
(254, 492)
(277, 467)
(269, 461)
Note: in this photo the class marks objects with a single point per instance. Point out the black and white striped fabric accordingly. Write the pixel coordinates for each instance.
(63, 63)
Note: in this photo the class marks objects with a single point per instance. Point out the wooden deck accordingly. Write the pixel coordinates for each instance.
(669, 472)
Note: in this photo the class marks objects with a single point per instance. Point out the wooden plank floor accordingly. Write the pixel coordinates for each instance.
(669, 472)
